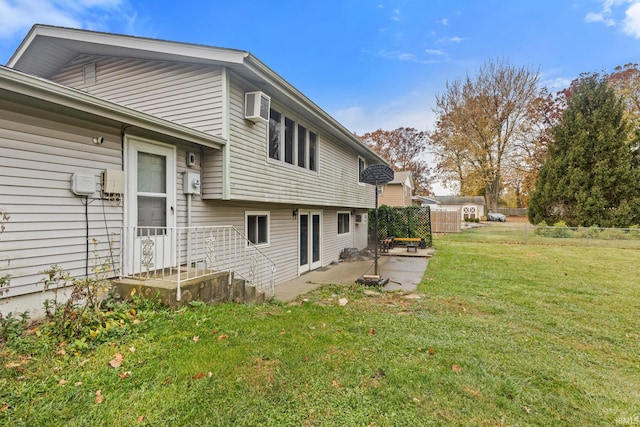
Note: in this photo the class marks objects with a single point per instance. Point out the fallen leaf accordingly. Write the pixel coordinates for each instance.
(431, 351)
(116, 361)
(198, 376)
(335, 384)
(84, 362)
(78, 384)
(99, 397)
(472, 392)
(282, 332)
(342, 302)
(196, 338)
(132, 349)
(456, 369)
(223, 337)
(166, 381)
(4, 408)
(209, 374)
(527, 410)
(372, 332)
(324, 325)
(124, 374)
(13, 365)
(61, 352)
(62, 382)
(141, 418)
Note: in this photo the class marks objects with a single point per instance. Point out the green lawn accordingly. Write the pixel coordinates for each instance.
(502, 335)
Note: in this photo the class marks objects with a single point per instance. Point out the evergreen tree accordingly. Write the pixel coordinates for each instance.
(590, 176)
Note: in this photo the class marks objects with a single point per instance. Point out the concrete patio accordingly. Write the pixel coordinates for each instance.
(404, 270)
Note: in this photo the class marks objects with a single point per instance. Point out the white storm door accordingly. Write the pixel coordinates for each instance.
(151, 201)
(309, 241)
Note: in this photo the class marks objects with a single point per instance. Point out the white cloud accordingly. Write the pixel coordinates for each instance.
(454, 39)
(436, 52)
(443, 21)
(17, 16)
(632, 21)
(397, 55)
(411, 110)
(556, 83)
(607, 15)
(599, 17)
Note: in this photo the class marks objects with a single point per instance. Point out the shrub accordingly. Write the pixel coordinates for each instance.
(561, 230)
(612, 234)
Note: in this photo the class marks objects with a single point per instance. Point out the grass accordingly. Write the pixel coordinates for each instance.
(620, 238)
(502, 335)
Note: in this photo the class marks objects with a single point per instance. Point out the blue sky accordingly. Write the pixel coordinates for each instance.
(369, 63)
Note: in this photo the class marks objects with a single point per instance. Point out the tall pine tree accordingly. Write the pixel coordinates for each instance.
(590, 176)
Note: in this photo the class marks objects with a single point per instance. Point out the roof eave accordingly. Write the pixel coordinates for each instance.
(267, 74)
(45, 90)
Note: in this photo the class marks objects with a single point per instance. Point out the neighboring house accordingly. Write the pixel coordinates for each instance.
(110, 142)
(399, 192)
(468, 206)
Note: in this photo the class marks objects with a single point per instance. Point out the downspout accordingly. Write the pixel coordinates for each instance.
(226, 150)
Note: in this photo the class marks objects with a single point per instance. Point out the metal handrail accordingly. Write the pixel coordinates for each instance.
(178, 254)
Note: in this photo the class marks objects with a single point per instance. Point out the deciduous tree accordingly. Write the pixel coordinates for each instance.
(480, 121)
(404, 149)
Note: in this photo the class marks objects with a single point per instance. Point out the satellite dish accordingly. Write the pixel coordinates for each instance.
(377, 174)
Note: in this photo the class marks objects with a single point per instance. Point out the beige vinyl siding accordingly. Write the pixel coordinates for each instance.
(395, 195)
(188, 94)
(334, 243)
(360, 232)
(39, 152)
(334, 184)
(211, 174)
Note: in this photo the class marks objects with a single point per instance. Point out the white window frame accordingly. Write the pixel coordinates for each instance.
(247, 214)
(364, 164)
(281, 149)
(349, 223)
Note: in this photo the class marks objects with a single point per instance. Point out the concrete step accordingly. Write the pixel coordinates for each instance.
(213, 288)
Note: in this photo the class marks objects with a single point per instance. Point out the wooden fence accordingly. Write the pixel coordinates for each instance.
(513, 211)
(445, 221)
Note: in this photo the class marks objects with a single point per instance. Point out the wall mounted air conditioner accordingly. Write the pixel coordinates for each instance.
(361, 218)
(256, 106)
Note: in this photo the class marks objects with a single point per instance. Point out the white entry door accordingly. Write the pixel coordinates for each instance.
(309, 240)
(150, 205)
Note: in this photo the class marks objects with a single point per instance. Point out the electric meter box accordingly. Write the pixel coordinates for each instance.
(191, 183)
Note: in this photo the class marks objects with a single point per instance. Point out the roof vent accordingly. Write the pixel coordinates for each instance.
(89, 73)
(256, 106)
